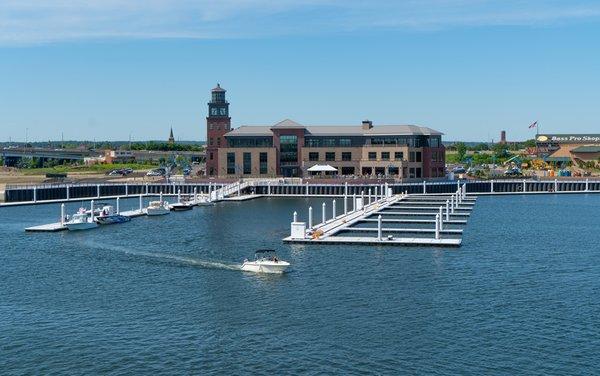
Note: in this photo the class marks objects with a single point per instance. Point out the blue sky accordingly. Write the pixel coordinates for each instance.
(470, 68)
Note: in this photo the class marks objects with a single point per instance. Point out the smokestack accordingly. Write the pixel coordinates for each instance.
(503, 137)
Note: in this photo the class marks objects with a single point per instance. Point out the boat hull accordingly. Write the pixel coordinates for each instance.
(112, 219)
(181, 207)
(156, 212)
(269, 267)
(81, 226)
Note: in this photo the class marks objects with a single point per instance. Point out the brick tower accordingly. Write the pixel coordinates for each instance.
(218, 123)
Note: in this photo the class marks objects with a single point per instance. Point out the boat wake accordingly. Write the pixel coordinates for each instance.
(191, 261)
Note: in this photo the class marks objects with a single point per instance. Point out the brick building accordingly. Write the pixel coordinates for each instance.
(290, 149)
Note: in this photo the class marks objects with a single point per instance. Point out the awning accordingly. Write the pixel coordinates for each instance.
(322, 168)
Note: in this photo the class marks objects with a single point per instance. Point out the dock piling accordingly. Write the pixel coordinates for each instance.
(62, 214)
(179, 195)
(92, 209)
(333, 209)
(141, 201)
(369, 202)
(310, 215)
(118, 205)
(437, 226)
(452, 203)
(34, 194)
(441, 215)
(295, 216)
(379, 227)
(323, 213)
(354, 202)
(345, 204)
(447, 210)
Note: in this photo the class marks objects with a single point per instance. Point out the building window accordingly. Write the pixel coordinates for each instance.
(247, 163)
(329, 142)
(418, 172)
(313, 156)
(312, 142)
(434, 142)
(288, 149)
(345, 142)
(393, 170)
(210, 141)
(211, 156)
(346, 156)
(399, 155)
(230, 163)
(415, 156)
(385, 156)
(330, 156)
(347, 170)
(367, 171)
(372, 155)
(218, 141)
(263, 163)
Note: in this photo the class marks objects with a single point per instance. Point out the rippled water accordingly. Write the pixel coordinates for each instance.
(165, 295)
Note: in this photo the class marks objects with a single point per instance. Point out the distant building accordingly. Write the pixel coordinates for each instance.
(289, 149)
(118, 156)
(218, 123)
(563, 148)
(503, 137)
(171, 138)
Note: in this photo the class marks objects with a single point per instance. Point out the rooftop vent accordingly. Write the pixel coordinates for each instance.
(367, 124)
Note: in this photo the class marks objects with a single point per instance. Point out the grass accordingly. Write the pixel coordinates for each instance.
(97, 168)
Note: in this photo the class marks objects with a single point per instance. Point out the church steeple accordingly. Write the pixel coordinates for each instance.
(171, 138)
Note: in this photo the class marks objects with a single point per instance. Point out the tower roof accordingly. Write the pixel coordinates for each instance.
(218, 88)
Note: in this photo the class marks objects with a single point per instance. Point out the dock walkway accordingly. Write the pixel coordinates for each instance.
(443, 208)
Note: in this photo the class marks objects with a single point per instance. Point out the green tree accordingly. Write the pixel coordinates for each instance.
(461, 151)
(500, 150)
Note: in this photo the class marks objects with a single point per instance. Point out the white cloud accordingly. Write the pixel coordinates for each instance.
(27, 21)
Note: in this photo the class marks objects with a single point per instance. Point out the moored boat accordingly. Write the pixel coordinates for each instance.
(157, 208)
(108, 216)
(181, 206)
(81, 221)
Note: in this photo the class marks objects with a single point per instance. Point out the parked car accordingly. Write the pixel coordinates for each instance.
(115, 173)
(512, 172)
(154, 173)
(459, 170)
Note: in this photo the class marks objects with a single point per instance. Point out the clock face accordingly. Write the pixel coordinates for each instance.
(213, 111)
(223, 111)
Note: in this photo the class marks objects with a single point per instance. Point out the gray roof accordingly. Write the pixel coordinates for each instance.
(336, 130)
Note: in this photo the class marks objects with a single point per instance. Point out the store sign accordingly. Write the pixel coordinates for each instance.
(569, 139)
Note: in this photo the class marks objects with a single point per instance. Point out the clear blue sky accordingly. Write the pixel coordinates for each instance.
(469, 68)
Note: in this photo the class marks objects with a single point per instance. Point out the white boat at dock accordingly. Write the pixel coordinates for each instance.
(109, 216)
(265, 261)
(81, 221)
(156, 208)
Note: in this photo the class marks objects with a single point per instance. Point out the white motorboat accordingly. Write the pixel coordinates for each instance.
(181, 206)
(203, 200)
(158, 208)
(109, 216)
(81, 221)
(265, 261)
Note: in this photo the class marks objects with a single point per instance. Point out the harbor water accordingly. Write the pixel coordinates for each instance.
(164, 295)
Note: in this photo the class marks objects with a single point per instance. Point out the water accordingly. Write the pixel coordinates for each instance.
(166, 296)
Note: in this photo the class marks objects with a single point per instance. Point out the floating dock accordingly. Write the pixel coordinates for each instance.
(349, 227)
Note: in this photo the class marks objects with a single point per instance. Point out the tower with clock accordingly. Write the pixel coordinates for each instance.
(218, 123)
